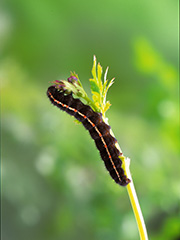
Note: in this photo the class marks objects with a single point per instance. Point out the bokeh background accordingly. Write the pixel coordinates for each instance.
(54, 184)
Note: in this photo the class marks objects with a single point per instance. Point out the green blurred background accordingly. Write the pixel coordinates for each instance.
(54, 183)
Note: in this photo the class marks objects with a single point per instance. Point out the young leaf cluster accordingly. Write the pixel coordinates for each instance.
(99, 88)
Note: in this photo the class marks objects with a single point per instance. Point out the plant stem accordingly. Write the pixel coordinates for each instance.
(135, 205)
(91, 103)
(132, 195)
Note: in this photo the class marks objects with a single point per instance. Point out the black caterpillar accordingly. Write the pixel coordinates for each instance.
(98, 130)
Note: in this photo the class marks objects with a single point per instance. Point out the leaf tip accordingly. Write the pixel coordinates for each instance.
(94, 58)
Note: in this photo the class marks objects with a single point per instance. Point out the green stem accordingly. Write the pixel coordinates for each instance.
(136, 207)
(90, 102)
(133, 196)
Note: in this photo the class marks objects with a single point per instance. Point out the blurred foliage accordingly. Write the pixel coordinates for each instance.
(54, 183)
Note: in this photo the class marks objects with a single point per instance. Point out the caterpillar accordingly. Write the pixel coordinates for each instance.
(98, 129)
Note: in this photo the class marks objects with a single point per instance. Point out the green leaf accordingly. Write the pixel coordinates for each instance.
(108, 86)
(98, 106)
(105, 74)
(99, 73)
(107, 105)
(110, 83)
(96, 97)
(94, 86)
(98, 88)
(94, 68)
(104, 85)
